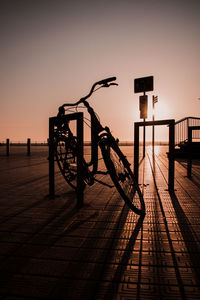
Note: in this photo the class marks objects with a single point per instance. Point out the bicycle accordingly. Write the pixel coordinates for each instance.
(116, 163)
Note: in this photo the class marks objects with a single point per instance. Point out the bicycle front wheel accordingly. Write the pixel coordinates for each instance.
(122, 176)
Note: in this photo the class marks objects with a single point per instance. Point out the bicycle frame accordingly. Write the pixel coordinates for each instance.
(116, 163)
(96, 127)
(94, 148)
(96, 130)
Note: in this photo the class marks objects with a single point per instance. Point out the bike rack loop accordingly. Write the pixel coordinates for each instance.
(79, 133)
(171, 125)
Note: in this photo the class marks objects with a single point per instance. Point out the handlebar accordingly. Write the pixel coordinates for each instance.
(103, 83)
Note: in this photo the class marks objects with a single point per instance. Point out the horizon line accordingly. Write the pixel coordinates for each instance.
(86, 143)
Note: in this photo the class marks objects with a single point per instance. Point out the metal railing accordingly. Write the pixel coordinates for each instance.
(181, 130)
(191, 129)
(8, 145)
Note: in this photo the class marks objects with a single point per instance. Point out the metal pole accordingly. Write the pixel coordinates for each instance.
(153, 125)
(136, 151)
(144, 136)
(51, 158)
(80, 182)
(187, 131)
(144, 139)
(189, 160)
(28, 146)
(94, 146)
(171, 157)
(190, 149)
(7, 147)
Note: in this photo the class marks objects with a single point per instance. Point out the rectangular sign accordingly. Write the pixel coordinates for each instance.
(144, 84)
(143, 106)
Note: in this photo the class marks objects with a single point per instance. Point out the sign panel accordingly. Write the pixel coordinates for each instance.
(143, 106)
(144, 84)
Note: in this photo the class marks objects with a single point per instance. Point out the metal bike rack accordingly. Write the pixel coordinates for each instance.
(189, 160)
(170, 124)
(79, 133)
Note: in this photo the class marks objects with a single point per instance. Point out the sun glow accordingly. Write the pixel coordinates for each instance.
(161, 110)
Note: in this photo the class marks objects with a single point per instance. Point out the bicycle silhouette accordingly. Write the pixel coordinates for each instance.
(115, 161)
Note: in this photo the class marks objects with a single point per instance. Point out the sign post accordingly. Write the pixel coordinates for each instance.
(142, 85)
(143, 115)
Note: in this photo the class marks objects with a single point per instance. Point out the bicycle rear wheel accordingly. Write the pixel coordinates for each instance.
(66, 157)
(122, 176)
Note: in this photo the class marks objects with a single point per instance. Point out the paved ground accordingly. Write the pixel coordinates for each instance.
(51, 250)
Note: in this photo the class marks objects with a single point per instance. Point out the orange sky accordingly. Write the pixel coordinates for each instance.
(51, 52)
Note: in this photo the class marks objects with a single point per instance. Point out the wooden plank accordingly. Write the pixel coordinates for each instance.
(102, 250)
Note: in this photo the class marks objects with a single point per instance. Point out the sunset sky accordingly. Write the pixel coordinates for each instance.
(51, 52)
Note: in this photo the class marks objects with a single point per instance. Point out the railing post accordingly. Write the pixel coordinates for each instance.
(28, 146)
(80, 182)
(7, 147)
(188, 124)
(136, 151)
(51, 158)
(171, 156)
(189, 160)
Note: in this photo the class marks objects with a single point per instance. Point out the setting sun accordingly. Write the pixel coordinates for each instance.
(161, 110)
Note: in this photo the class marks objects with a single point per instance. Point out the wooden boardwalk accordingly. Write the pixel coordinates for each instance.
(51, 250)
